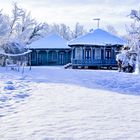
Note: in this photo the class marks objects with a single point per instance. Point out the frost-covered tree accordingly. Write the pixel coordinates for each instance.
(62, 30)
(27, 29)
(78, 30)
(134, 35)
(65, 31)
(131, 55)
(38, 31)
(4, 27)
(111, 29)
(19, 30)
(17, 14)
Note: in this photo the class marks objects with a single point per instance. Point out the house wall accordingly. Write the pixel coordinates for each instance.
(90, 55)
(50, 56)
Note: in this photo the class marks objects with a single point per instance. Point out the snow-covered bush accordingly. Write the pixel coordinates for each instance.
(126, 60)
(129, 58)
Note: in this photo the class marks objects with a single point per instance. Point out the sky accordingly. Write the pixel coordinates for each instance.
(110, 12)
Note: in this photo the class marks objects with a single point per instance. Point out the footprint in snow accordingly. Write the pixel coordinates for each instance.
(3, 99)
(23, 77)
(21, 95)
(9, 83)
(9, 87)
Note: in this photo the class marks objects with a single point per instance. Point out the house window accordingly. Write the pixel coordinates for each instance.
(62, 57)
(54, 55)
(50, 56)
(93, 52)
(40, 58)
(33, 56)
(108, 54)
(78, 53)
(88, 53)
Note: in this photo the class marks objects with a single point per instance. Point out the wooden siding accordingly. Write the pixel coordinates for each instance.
(94, 55)
(50, 57)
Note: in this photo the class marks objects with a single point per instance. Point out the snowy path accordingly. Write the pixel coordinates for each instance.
(68, 105)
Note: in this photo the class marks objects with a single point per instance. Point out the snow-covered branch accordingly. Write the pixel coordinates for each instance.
(135, 14)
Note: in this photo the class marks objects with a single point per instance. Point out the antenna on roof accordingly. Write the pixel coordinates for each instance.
(98, 23)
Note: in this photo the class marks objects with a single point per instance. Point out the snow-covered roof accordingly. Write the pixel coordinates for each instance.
(52, 41)
(97, 37)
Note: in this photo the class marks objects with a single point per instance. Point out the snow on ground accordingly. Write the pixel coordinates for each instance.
(51, 103)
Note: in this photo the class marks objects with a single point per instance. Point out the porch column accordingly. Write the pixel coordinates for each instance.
(67, 55)
(91, 54)
(83, 53)
(104, 52)
(57, 51)
(72, 54)
(47, 55)
(112, 53)
(57, 56)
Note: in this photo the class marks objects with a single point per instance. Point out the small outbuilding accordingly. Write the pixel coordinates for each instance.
(95, 49)
(50, 50)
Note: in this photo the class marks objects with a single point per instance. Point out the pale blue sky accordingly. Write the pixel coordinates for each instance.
(111, 12)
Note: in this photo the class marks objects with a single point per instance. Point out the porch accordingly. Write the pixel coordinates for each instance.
(94, 62)
(50, 57)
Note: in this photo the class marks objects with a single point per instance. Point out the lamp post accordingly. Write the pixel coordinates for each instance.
(98, 22)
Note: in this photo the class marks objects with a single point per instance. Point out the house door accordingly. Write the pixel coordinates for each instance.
(62, 58)
(34, 58)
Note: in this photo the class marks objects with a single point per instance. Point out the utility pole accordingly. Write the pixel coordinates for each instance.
(98, 22)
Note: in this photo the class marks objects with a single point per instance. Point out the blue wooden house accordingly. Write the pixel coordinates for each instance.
(50, 50)
(95, 49)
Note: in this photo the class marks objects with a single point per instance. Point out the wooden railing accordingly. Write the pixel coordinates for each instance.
(94, 62)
